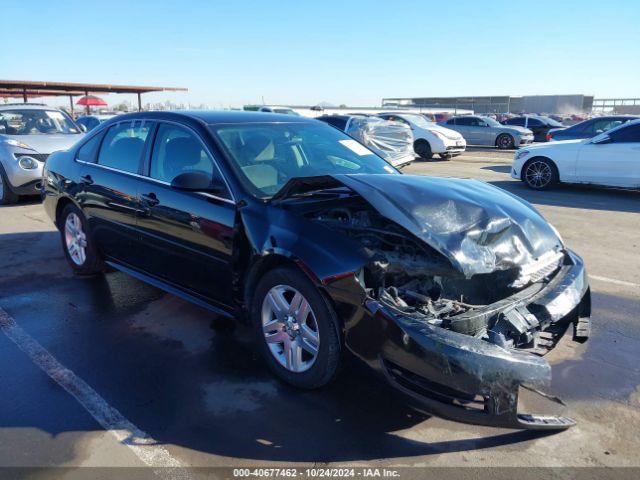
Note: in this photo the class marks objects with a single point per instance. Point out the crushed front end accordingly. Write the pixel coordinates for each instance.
(468, 363)
(456, 313)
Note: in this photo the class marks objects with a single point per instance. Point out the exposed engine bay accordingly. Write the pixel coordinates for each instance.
(409, 276)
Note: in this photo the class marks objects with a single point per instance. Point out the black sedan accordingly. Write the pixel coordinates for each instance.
(539, 125)
(449, 289)
(589, 128)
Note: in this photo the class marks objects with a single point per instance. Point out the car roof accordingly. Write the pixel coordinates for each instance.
(26, 106)
(342, 117)
(217, 116)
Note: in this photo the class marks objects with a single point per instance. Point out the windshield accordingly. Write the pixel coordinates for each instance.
(286, 111)
(35, 122)
(491, 122)
(551, 122)
(419, 120)
(267, 155)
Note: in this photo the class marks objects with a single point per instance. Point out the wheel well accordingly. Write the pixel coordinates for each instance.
(259, 268)
(553, 165)
(62, 203)
(421, 141)
(257, 271)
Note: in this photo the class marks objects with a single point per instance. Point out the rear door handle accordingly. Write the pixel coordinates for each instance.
(150, 199)
(86, 179)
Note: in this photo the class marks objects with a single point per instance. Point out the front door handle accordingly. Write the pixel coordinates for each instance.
(86, 179)
(150, 199)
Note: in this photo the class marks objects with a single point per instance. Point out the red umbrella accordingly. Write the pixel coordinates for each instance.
(91, 101)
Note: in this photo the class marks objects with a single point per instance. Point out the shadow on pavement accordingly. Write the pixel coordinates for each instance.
(498, 168)
(576, 196)
(168, 368)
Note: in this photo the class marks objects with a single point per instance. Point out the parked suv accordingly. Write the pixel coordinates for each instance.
(28, 134)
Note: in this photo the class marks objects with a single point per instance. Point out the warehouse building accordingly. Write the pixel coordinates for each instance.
(561, 104)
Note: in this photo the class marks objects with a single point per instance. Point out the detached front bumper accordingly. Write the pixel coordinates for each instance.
(472, 380)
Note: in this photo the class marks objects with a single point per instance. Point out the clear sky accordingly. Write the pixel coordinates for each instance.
(349, 51)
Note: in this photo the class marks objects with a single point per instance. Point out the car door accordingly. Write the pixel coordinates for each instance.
(109, 187)
(187, 235)
(463, 125)
(614, 162)
(479, 130)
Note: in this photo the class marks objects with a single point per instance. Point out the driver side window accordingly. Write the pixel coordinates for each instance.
(177, 150)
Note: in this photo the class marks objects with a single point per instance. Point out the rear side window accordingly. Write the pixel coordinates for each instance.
(534, 122)
(515, 121)
(463, 121)
(340, 123)
(87, 152)
(123, 145)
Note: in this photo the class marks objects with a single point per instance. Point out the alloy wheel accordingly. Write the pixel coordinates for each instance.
(538, 174)
(290, 328)
(505, 142)
(75, 239)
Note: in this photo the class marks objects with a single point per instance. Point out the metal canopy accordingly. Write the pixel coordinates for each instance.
(29, 89)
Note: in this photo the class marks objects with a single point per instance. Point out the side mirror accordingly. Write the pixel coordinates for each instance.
(197, 182)
(83, 128)
(601, 140)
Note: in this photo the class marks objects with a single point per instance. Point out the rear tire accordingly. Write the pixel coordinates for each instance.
(540, 173)
(79, 248)
(423, 149)
(292, 320)
(505, 142)
(7, 196)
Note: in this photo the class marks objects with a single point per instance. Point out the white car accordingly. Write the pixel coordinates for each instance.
(611, 159)
(429, 137)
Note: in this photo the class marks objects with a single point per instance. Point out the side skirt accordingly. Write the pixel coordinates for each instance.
(173, 290)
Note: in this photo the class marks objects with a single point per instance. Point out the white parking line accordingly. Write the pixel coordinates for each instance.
(141, 444)
(614, 281)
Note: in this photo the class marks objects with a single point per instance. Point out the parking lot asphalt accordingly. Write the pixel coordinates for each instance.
(87, 363)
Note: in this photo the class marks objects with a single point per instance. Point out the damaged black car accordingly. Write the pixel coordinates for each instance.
(451, 290)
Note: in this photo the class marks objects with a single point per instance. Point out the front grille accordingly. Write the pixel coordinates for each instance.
(460, 147)
(41, 157)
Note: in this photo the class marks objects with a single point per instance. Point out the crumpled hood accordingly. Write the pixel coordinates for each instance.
(479, 228)
(47, 143)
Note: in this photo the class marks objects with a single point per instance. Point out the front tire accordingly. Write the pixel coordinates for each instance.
(80, 250)
(296, 329)
(423, 149)
(505, 142)
(7, 196)
(540, 174)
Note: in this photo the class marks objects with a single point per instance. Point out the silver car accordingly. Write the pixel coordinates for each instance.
(28, 135)
(478, 130)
